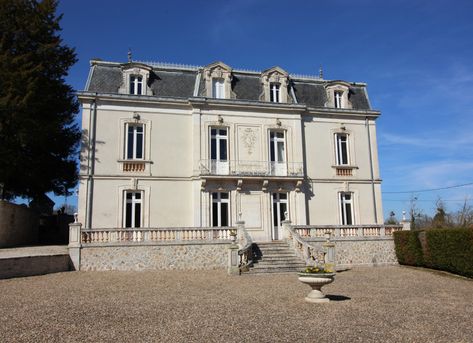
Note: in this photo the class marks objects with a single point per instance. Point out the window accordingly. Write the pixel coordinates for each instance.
(219, 150)
(220, 209)
(218, 90)
(132, 209)
(136, 84)
(338, 99)
(341, 149)
(134, 144)
(346, 208)
(274, 92)
(279, 213)
(277, 146)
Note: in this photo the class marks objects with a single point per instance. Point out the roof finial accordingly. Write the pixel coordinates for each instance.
(321, 72)
(129, 55)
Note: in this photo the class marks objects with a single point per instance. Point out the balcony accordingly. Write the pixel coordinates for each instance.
(251, 168)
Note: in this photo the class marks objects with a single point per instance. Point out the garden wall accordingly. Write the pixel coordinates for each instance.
(18, 225)
(188, 256)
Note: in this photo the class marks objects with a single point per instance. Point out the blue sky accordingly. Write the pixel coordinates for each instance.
(416, 56)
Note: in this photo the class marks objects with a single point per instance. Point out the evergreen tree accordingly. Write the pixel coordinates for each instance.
(38, 137)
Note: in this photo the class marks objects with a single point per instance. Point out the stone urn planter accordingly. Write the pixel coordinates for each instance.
(316, 281)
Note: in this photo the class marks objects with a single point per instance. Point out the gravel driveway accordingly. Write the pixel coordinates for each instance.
(382, 304)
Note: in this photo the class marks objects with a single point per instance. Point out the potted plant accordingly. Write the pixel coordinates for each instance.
(316, 277)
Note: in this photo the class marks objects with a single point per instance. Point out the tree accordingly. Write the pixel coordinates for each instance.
(38, 137)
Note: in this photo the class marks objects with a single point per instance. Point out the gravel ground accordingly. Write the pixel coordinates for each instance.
(383, 304)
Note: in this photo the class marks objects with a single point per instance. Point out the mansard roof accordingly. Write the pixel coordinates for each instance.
(180, 81)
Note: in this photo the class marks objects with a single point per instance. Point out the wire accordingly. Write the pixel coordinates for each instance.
(430, 190)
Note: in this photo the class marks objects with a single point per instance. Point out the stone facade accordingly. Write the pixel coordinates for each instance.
(363, 252)
(155, 257)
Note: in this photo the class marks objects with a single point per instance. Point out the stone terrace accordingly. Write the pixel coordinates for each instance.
(388, 304)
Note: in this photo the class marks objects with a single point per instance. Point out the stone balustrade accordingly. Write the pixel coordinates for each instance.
(155, 235)
(346, 231)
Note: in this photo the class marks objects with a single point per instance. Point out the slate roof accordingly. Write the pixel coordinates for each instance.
(164, 82)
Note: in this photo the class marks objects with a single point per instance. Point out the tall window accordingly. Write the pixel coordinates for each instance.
(338, 99)
(274, 92)
(279, 213)
(218, 90)
(341, 149)
(277, 153)
(219, 150)
(220, 209)
(136, 85)
(132, 209)
(134, 141)
(346, 208)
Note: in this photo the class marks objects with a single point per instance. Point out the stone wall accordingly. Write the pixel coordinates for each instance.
(367, 251)
(154, 257)
(18, 225)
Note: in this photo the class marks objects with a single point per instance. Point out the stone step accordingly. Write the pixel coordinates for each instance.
(274, 270)
(279, 263)
(279, 258)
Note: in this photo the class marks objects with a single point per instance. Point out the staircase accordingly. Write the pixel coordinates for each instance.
(275, 257)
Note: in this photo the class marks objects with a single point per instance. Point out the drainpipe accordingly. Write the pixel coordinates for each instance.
(91, 164)
(371, 170)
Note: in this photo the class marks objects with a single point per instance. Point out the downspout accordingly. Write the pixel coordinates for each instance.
(371, 170)
(91, 165)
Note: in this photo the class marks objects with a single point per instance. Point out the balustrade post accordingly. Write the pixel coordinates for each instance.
(337, 232)
(406, 225)
(233, 260)
(286, 225)
(360, 231)
(330, 261)
(382, 231)
(240, 224)
(75, 242)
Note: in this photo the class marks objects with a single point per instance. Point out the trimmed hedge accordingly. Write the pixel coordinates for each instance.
(444, 249)
(408, 248)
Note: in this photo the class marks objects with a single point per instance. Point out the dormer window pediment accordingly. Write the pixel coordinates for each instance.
(218, 81)
(275, 82)
(338, 95)
(136, 78)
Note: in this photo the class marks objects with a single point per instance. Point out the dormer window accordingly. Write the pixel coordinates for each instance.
(338, 95)
(218, 81)
(275, 85)
(136, 85)
(218, 88)
(136, 79)
(338, 99)
(274, 92)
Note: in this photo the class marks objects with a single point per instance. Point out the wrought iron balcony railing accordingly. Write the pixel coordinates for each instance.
(251, 168)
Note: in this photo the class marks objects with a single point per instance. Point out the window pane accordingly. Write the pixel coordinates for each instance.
(275, 213)
(223, 149)
(271, 151)
(138, 215)
(138, 88)
(138, 195)
(280, 134)
(139, 144)
(213, 149)
(224, 214)
(129, 149)
(223, 195)
(281, 152)
(348, 214)
(214, 214)
(282, 210)
(271, 134)
(128, 213)
(282, 196)
(129, 195)
(222, 132)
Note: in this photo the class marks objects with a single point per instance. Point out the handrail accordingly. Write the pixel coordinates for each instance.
(302, 248)
(246, 250)
(155, 235)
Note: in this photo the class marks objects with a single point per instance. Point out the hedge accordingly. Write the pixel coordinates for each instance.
(408, 248)
(444, 249)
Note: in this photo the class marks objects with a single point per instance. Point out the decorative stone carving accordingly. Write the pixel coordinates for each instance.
(249, 140)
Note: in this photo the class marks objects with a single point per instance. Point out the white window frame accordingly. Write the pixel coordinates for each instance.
(338, 98)
(273, 142)
(134, 202)
(218, 88)
(339, 156)
(343, 204)
(275, 92)
(136, 80)
(216, 197)
(135, 141)
(276, 199)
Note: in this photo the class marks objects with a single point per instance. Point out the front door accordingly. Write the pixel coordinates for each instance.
(279, 214)
(219, 151)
